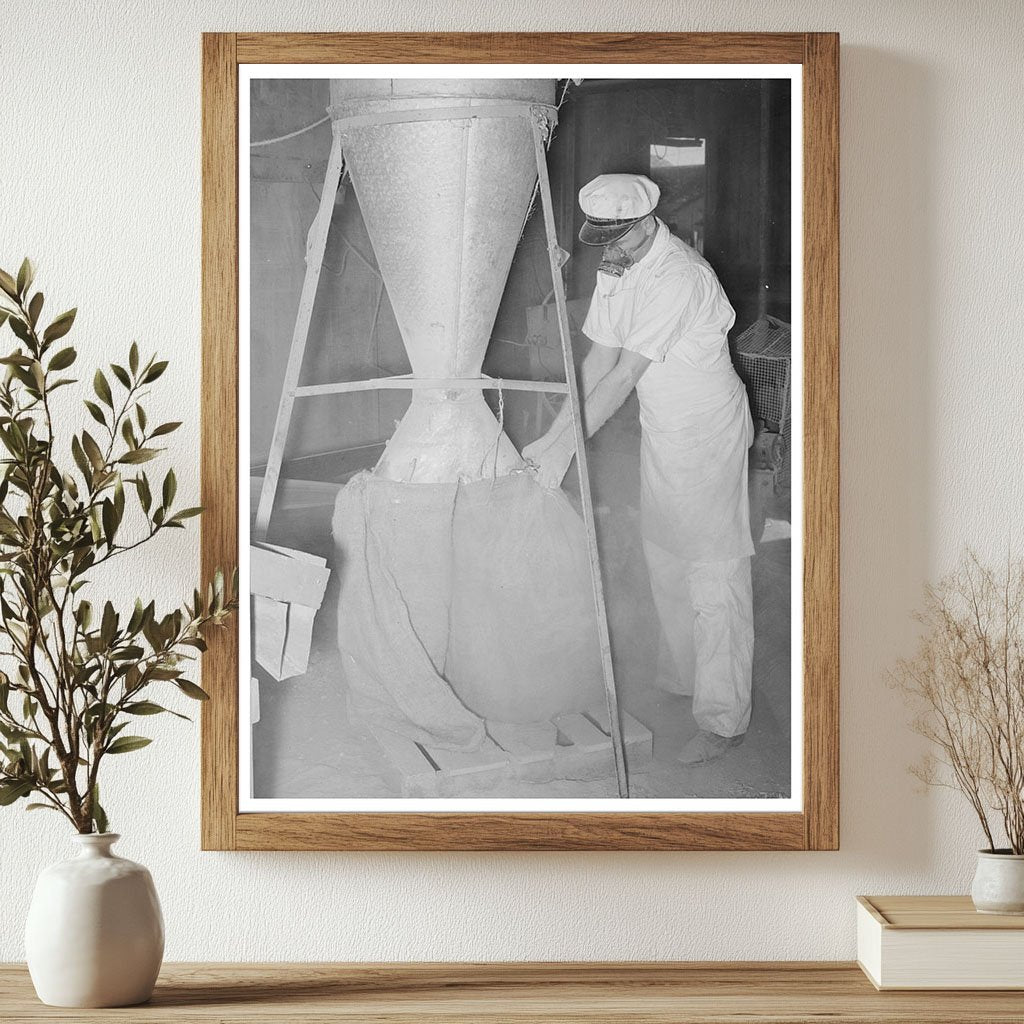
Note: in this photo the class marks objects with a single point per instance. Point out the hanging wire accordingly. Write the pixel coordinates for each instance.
(501, 427)
(290, 135)
(495, 445)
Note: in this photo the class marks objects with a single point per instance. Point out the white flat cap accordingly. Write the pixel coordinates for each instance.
(613, 203)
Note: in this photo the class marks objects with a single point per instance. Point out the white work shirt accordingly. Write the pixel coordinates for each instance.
(670, 308)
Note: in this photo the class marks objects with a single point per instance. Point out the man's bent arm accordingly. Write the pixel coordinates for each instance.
(612, 390)
(554, 451)
(599, 361)
(605, 391)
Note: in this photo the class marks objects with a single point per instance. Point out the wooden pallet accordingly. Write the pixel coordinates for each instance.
(583, 750)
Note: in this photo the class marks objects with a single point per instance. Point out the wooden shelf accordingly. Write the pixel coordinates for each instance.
(793, 993)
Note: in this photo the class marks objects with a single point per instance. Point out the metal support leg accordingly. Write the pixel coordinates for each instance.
(315, 248)
(573, 398)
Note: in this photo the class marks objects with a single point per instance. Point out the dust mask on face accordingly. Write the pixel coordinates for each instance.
(615, 261)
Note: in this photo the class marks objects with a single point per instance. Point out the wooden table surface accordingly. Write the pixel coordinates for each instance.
(795, 993)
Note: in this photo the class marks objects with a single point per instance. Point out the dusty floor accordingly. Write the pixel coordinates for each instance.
(305, 746)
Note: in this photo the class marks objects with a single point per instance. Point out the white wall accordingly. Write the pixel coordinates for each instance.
(99, 182)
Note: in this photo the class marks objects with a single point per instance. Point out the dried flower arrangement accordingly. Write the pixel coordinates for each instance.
(967, 683)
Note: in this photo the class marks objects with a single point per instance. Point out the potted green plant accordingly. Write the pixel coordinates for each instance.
(966, 681)
(79, 671)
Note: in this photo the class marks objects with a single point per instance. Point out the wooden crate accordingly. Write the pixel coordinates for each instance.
(583, 750)
(287, 589)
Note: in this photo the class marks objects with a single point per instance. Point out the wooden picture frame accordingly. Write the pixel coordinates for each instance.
(816, 826)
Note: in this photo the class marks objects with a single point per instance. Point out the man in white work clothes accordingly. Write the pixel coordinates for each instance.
(658, 322)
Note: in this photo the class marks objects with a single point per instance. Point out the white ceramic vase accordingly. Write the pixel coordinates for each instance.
(95, 933)
(999, 883)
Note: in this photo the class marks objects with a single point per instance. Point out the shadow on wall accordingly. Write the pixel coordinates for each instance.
(887, 310)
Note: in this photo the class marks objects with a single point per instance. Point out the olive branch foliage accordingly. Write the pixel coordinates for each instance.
(966, 682)
(80, 674)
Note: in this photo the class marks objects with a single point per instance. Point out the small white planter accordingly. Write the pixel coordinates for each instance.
(999, 883)
(95, 933)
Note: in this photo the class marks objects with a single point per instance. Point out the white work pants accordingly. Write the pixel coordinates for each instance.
(706, 611)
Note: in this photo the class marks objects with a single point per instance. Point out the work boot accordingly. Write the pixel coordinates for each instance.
(707, 746)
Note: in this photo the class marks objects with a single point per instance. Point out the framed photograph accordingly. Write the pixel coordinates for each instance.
(520, 420)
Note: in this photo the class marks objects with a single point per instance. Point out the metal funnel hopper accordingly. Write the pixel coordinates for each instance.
(444, 201)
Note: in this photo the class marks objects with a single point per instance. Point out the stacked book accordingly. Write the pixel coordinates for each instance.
(938, 942)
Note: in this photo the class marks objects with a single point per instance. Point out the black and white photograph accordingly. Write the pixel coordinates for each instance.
(520, 399)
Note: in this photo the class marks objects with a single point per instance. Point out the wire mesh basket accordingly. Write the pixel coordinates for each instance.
(762, 357)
